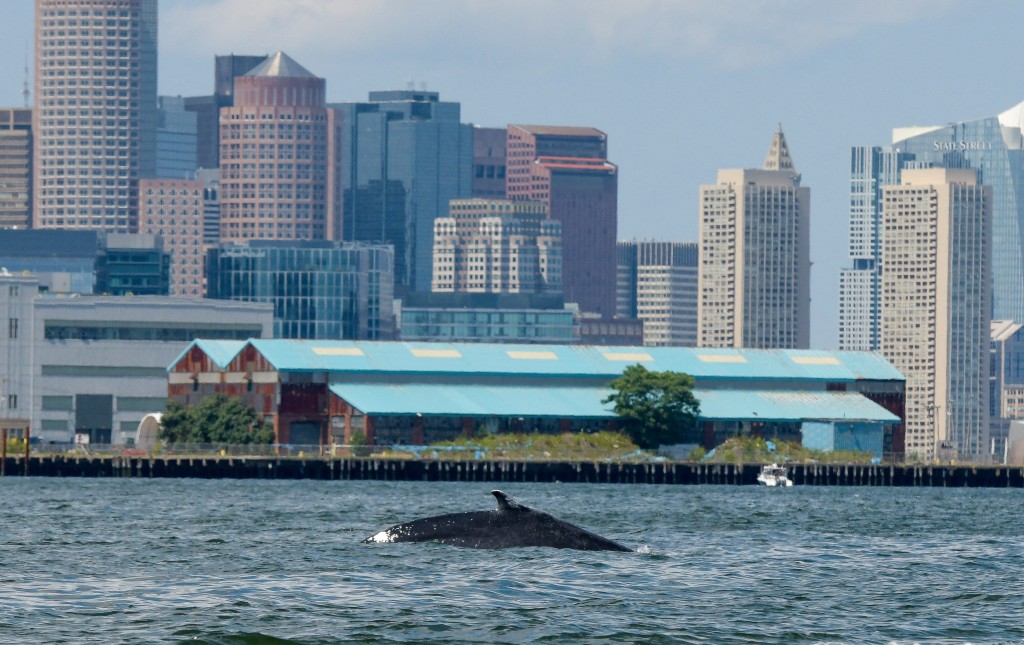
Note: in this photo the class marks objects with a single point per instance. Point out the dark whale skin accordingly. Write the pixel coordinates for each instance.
(508, 526)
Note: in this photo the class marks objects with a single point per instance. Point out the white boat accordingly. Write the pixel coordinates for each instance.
(774, 475)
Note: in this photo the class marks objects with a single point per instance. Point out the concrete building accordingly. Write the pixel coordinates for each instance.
(319, 289)
(95, 117)
(657, 283)
(176, 139)
(567, 169)
(323, 392)
(489, 162)
(497, 246)
(17, 293)
(174, 210)
(95, 366)
(15, 168)
(207, 108)
(755, 263)
(935, 326)
(405, 155)
(278, 142)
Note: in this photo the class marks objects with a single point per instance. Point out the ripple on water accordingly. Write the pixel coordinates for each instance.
(127, 561)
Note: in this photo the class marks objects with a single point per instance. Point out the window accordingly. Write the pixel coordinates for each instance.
(12, 328)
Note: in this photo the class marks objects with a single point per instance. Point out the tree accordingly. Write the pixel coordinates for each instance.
(215, 419)
(658, 407)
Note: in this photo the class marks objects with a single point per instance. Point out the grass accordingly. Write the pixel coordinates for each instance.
(755, 450)
(579, 446)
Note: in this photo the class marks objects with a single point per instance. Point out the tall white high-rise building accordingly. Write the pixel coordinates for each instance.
(754, 277)
(95, 117)
(936, 254)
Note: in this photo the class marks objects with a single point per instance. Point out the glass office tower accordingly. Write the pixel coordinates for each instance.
(404, 156)
(319, 289)
(994, 147)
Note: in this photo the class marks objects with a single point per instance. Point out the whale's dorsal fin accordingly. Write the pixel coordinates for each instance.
(506, 502)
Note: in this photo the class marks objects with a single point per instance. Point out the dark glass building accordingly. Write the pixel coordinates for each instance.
(132, 264)
(319, 289)
(404, 155)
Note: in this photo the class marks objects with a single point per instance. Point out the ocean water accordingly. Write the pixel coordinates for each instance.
(244, 562)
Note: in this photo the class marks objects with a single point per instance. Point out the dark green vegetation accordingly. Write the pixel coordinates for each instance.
(657, 407)
(216, 419)
(754, 450)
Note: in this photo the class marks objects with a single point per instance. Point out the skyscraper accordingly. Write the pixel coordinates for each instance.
(176, 137)
(755, 267)
(207, 108)
(277, 167)
(936, 242)
(567, 169)
(871, 169)
(995, 147)
(405, 155)
(15, 168)
(96, 111)
(657, 283)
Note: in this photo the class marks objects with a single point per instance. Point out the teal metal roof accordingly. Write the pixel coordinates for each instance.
(221, 352)
(362, 357)
(475, 400)
(746, 405)
(510, 401)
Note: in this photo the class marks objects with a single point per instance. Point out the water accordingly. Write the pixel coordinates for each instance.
(239, 562)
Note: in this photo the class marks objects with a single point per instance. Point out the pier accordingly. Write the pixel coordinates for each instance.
(951, 476)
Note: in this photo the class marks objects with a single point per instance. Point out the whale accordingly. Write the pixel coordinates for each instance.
(510, 525)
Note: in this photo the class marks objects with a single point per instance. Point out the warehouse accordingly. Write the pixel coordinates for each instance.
(319, 392)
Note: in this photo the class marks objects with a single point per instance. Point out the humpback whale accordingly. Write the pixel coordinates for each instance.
(510, 525)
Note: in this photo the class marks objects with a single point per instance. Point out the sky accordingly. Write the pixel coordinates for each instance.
(682, 88)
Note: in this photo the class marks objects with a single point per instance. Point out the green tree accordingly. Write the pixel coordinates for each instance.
(215, 419)
(658, 407)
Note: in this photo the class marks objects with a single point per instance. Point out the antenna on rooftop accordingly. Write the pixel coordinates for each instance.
(24, 86)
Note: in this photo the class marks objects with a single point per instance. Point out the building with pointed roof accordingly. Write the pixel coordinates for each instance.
(754, 276)
(278, 149)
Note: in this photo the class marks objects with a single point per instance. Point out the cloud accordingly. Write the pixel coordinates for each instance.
(728, 34)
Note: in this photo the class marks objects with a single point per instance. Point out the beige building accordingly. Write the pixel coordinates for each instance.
(278, 149)
(755, 268)
(95, 115)
(497, 246)
(935, 307)
(173, 209)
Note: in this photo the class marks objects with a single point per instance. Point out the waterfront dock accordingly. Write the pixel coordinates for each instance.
(505, 471)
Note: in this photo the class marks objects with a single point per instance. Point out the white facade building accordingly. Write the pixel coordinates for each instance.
(936, 243)
(754, 279)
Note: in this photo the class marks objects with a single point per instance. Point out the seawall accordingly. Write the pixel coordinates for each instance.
(506, 471)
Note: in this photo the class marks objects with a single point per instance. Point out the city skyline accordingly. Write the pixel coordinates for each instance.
(679, 88)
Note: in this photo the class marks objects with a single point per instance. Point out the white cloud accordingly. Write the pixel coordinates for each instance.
(730, 34)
